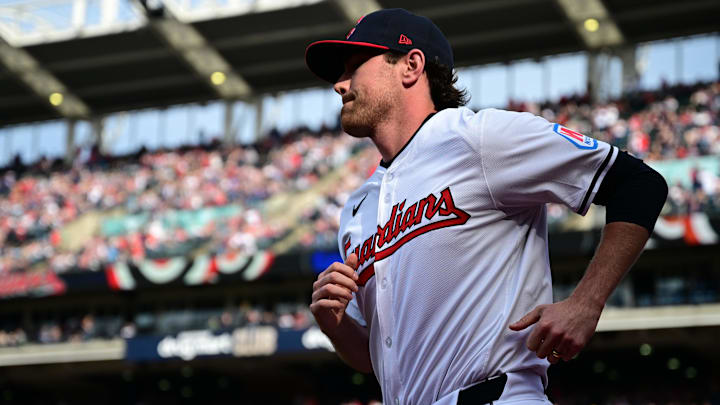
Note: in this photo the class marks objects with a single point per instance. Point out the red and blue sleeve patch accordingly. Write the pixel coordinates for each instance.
(579, 140)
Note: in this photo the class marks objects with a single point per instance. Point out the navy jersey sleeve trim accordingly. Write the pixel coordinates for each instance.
(600, 170)
(632, 192)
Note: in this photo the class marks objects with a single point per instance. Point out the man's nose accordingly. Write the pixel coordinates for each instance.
(342, 84)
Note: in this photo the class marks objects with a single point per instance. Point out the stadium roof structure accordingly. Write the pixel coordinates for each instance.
(130, 66)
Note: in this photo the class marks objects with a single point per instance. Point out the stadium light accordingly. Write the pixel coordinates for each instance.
(358, 379)
(187, 371)
(218, 78)
(645, 349)
(591, 24)
(164, 385)
(56, 99)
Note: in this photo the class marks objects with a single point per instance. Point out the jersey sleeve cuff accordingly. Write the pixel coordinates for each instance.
(597, 180)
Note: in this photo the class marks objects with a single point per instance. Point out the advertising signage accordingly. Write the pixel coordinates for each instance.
(248, 341)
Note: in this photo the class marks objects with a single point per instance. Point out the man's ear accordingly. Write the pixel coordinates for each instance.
(413, 68)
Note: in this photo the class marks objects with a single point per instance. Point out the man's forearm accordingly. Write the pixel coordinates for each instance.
(620, 246)
(351, 343)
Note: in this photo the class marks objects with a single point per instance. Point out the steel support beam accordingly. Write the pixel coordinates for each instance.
(98, 130)
(353, 10)
(630, 73)
(149, 55)
(41, 81)
(229, 131)
(70, 141)
(660, 10)
(599, 81)
(196, 51)
(258, 103)
(450, 10)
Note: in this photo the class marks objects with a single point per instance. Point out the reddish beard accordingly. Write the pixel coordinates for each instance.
(360, 115)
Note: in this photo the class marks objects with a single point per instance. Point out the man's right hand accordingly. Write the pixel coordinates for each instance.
(332, 292)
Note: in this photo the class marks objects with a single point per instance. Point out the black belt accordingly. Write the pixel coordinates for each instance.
(483, 392)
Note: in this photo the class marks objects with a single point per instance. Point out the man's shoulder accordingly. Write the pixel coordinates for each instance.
(461, 123)
(454, 114)
(500, 115)
(497, 124)
(465, 117)
(485, 129)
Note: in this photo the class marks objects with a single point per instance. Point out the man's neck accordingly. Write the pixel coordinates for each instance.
(391, 135)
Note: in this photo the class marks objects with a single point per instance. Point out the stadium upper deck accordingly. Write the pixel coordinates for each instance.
(260, 48)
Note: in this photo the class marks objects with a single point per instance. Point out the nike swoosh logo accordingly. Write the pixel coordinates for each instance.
(355, 209)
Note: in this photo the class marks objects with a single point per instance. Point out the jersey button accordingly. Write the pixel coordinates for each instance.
(391, 176)
(388, 342)
(397, 401)
(383, 283)
(387, 198)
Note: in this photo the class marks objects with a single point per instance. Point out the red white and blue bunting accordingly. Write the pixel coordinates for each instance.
(201, 269)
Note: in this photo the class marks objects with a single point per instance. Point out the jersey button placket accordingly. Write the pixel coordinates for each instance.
(384, 297)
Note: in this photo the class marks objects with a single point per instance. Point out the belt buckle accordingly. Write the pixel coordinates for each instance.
(483, 392)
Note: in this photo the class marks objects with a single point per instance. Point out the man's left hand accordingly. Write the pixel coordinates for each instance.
(562, 329)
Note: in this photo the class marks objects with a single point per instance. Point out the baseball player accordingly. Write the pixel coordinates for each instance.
(445, 290)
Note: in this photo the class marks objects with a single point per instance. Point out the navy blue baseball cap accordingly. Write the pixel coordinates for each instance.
(393, 29)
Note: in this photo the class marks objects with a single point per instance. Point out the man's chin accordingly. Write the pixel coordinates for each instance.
(353, 127)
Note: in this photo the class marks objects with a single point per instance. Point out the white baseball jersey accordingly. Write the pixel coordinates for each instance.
(452, 245)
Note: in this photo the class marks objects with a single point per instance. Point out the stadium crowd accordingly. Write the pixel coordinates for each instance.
(168, 203)
(157, 188)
